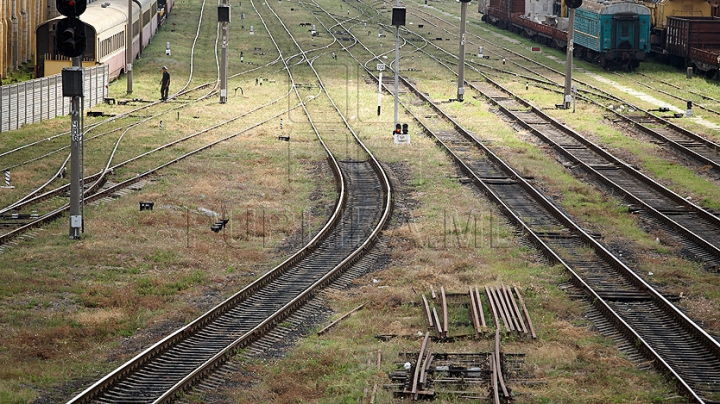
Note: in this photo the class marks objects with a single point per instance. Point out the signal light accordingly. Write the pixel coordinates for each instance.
(574, 3)
(70, 39)
(398, 16)
(405, 129)
(71, 8)
(397, 129)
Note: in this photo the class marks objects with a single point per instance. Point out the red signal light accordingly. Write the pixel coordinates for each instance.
(71, 8)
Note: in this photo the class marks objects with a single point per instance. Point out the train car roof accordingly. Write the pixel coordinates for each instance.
(615, 7)
(104, 18)
(123, 3)
(106, 14)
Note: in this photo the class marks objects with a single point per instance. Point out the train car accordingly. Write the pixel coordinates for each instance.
(611, 33)
(105, 30)
(660, 10)
(694, 42)
(164, 7)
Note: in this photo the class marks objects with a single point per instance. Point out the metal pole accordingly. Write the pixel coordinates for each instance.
(461, 67)
(379, 91)
(129, 49)
(397, 64)
(224, 61)
(76, 133)
(569, 58)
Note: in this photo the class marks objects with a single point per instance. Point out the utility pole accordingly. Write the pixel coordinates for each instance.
(129, 48)
(461, 62)
(224, 20)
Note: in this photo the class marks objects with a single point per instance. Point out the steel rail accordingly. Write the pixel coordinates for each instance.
(58, 212)
(703, 242)
(700, 335)
(708, 150)
(597, 299)
(341, 201)
(710, 219)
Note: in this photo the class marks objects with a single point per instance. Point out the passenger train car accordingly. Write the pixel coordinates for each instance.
(105, 30)
(609, 32)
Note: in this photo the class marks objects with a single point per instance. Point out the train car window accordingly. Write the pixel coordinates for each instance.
(624, 30)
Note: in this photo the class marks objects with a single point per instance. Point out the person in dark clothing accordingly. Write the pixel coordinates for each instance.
(164, 84)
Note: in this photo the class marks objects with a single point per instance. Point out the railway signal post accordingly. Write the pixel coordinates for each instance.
(461, 55)
(224, 20)
(72, 84)
(129, 48)
(572, 5)
(398, 19)
(71, 42)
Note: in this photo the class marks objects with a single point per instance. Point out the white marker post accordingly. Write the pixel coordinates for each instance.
(7, 176)
(380, 68)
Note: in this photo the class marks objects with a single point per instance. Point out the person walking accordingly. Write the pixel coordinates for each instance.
(164, 84)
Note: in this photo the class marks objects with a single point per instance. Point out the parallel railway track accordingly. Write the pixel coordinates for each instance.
(683, 141)
(660, 330)
(182, 359)
(699, 229)
(647, 319)
(681, 348)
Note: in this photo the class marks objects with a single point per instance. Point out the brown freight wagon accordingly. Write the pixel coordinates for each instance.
(694, 41)
(685, 33)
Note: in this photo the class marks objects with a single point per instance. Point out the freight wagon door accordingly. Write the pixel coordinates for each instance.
(625, 32)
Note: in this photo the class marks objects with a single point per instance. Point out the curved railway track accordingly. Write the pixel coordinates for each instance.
(646, 318)
(191, 353)
(35, 200)
(188, 355)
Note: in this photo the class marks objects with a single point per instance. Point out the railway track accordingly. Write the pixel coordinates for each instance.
(190, 354)
(668, 133)
(52, 204)
(686, 94)
(675, 344)
(95, 193)
(546, 227)
(698, 228)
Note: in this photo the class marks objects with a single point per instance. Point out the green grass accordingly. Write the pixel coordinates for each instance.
(74, 310)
